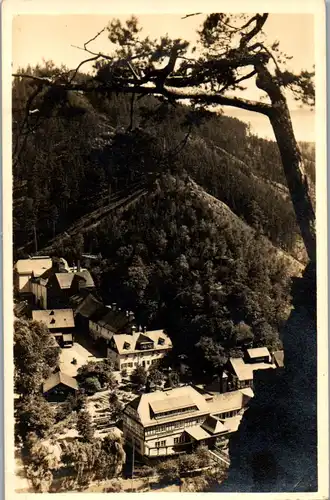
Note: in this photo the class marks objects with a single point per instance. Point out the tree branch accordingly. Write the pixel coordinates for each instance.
(190, 15)
(171, 93)
(260, 21)
(94, 38)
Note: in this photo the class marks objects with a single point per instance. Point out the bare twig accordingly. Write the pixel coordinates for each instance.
(94, 38)
(190, 15)
(95, 58)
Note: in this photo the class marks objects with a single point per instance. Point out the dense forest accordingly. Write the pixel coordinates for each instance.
(211, 273)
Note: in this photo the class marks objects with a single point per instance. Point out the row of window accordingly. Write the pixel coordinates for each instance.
(177, 440)
(173, 425)
(133, 427)
(228, 414)
(176, 411)
(180, 439)
(131, 365)
(140, 355)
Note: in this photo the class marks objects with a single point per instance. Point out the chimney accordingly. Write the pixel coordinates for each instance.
(114, 306)
(224, 382)
(144, 329)
(140, 328)
(133, 329)
(131, 316)
(78, 266)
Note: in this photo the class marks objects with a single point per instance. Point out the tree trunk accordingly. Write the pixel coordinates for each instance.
(297, 180)
(295, 175)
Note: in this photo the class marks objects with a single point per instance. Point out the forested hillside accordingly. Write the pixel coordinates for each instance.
(137, 188)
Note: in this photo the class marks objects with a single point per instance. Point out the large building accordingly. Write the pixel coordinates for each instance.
(138, 348)
(56, 285)
(167, 422)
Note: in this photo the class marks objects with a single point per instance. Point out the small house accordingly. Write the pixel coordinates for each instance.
(59, 386)
(60, 323)
(25, 269)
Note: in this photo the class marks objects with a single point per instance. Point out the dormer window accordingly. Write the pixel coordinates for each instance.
(161, 341)
(51, 313)
(127, 345)
(52, 321)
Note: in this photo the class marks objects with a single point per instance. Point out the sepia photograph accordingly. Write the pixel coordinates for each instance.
(163, 267)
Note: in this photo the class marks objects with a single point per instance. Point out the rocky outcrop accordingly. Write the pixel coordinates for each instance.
(275, 448)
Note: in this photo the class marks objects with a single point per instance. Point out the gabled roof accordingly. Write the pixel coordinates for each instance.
(213, 425)
(197, 432)
(59, 378)
(228, 401)
(258, 352)
(114, 320)
(143, 404)
(55, 318)
(86, 276)
(171, 403)
(64, 280)
(279, 358)
(37, 266)
(132, 339)
(244, 371)
(78, 298)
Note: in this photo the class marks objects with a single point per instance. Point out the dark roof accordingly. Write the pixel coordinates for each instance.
(78, 298)
(59, 378)
(279, 358)
(135, 403)
(89, 306)
(116, 321)
(86, 276)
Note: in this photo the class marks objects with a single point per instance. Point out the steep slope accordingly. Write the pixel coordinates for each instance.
(222, 212)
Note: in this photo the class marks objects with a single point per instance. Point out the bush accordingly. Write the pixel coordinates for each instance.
(168, 471)
(91, 385)
(139, 376)
(85, 426)
(114, 487)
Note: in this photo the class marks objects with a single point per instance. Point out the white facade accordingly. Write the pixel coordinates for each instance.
(162, 423)
(98, 331)
(129, 362)
(128, 351)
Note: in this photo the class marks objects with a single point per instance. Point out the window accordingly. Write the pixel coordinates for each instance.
(180, 439)
(129, 365)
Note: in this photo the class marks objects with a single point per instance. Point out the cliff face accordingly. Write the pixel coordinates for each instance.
(275, 448)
